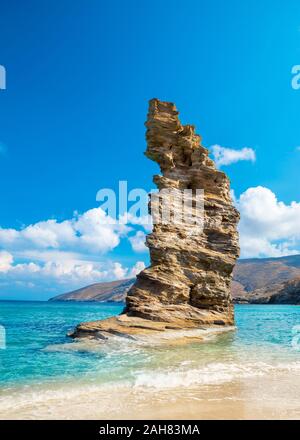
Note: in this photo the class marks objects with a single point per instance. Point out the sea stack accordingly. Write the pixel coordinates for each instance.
(187, 284)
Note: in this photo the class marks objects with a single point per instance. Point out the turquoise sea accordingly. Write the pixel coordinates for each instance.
(41, 368)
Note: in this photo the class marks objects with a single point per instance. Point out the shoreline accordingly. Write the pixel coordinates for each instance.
(232, 400)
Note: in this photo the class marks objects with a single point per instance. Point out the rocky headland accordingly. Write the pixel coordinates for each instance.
(187, 285)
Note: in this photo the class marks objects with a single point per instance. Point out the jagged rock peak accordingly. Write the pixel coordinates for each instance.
(183, 161)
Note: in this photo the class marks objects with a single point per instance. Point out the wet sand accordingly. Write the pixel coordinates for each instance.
(276, 397)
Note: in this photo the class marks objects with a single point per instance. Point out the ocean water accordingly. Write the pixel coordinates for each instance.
(41, 367)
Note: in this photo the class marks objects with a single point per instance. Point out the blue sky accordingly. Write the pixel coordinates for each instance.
(79, 76)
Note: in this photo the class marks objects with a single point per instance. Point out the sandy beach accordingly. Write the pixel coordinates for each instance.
(260, 397)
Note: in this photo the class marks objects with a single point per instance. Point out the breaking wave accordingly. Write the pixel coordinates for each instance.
(210, 374)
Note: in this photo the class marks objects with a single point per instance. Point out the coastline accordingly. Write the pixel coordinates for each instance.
(233, 400)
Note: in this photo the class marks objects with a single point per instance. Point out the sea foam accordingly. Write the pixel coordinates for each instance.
(210, 374)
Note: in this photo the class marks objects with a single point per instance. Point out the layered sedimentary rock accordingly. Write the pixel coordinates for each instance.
(187, 284)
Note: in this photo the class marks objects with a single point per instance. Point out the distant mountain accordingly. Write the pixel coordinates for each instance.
(114, 291)
(267, 280)
(255, 280)
(279, 293)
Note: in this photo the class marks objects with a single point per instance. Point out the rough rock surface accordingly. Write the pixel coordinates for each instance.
(188, 282)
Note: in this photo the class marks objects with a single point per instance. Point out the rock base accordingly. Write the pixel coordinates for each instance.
(178, 331)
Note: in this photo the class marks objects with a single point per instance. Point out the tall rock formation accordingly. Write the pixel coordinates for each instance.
(188, 282)
(189, 277)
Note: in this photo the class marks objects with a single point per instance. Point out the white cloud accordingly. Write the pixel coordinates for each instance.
(60, 272)
(6, 260)
(227, 156)
(137, 268)
(65, 255)
(138, 242)
(67, 274)
(119, 271)
(268, 227)
(91, 232)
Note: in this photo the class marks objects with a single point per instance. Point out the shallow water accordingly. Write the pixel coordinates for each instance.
(255, 368)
